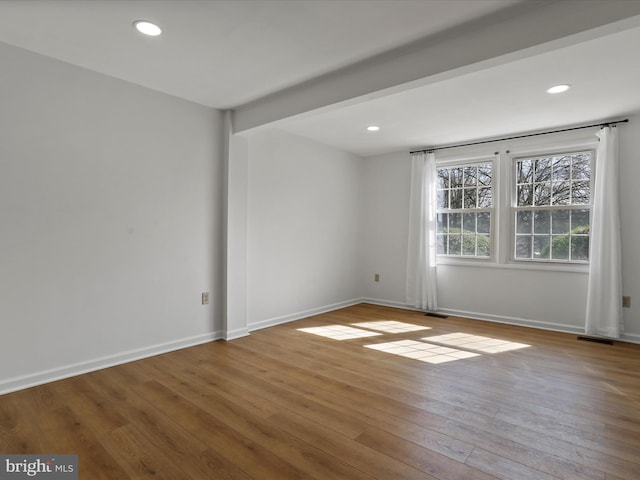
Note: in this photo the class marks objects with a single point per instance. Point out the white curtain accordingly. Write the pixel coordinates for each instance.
(421, 289)
(604, 294)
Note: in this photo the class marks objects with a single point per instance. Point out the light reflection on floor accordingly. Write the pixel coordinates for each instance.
(476, 342)
(391, 326)
(436, 349)
(424, 352)
(339, 332)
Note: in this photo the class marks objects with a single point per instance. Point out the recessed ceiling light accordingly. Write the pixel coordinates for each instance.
(147, 27)
(558, 88)
(373, 128)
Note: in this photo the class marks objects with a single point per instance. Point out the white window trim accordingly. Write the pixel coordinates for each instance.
(462, 161)
(512, 158)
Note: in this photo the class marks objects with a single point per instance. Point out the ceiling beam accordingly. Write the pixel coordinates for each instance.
(526, 29)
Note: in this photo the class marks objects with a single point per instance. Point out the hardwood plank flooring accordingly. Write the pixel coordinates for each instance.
(457, 400)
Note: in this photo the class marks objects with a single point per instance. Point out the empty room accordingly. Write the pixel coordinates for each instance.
(319, 239)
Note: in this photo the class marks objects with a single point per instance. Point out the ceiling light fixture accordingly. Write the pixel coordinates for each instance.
(373, 128)
(558, 88)
(148, 28)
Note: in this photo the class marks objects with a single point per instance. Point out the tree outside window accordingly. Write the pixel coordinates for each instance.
(465, 209)
(552, 207)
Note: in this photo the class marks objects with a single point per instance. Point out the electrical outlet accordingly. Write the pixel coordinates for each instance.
(205, 298)
(376, 277)
(626, 302)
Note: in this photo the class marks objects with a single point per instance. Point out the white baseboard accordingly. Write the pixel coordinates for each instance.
(555, 327)
(46, 376)
(522, 322)
(630, 337)
(388, 303)
(270, 322)
(237, 333)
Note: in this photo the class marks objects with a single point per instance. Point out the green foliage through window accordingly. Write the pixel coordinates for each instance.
(465, 209)
(553, 196)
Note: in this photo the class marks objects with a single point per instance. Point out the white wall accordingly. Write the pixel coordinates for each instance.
(303, 214)
(385, 184)
(629, 135)
(109, 222)
(506, 293)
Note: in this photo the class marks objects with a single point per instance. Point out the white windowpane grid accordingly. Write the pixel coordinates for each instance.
(554, 180)
(465, 201)
(553, 195)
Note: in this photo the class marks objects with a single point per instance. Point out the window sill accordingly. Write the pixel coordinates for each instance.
(541, 267)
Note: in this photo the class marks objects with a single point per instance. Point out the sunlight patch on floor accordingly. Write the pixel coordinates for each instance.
(339, 332)
(391, 326)
(476, 342)
(424, 352)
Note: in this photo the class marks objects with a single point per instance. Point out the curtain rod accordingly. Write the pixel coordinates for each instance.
(604, 124)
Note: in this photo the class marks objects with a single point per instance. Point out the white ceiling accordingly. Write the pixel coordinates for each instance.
(227, 53)
(503, 100)
(223, 53)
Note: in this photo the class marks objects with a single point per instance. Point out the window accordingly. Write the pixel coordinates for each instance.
(552, 207)
(465, 209)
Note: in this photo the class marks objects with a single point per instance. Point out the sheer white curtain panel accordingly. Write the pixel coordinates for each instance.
(421, 287)
(604, 294)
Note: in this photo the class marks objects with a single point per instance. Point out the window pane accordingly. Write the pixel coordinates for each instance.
(543, 184)
(470, 197)
(469, 244)
(471, 176)
(561, 168)
(560, 221)
(580, 192)
(455, 242)
(525, 195)
(580, 247)
(442, 244)
(442, 223)
(484, 245)
(456, 177)
(469, 223)
(541, 222)
(542, 170)
(523, 222)
(456, 198)
(455, 222)
(580, 221)
(484, 175)
(484, 197)
(560, 247)
(524, 171)
(541, 246)
(523, 246)
(581, 167)
(443, 178)
(561, 193)
(443, 198)
(542, 194)
(484, 222)
(461, 191)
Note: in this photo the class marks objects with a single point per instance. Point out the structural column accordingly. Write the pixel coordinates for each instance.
(236, 162)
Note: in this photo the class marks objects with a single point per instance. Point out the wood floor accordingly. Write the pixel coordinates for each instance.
(517, 404)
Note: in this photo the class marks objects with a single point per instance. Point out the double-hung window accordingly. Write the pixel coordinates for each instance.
(551, 207)
(465, 210)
